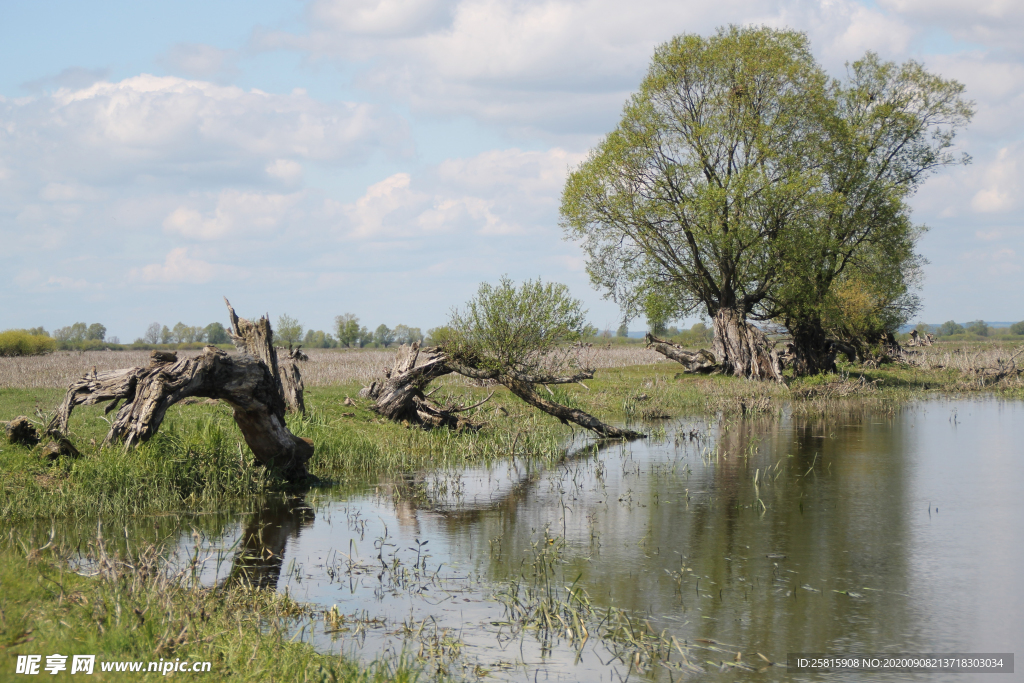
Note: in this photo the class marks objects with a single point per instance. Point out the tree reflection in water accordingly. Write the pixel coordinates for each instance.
(261, 548)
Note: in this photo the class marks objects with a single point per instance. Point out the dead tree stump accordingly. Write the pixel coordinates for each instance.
(257, 340)
(243, 382)
(291, 379)
(400, 396)
(21, 431)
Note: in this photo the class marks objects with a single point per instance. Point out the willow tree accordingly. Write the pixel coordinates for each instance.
(688, 202)
(851, 273)
(742, 183)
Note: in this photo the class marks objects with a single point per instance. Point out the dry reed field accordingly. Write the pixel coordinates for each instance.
(326, 367)
(965, 358)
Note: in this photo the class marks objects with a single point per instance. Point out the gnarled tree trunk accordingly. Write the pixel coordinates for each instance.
(524, 390)
(257, 340)
(812, 352)
(742, 349)
(243, 382)
(702, 361)
(400, 395)
(291, 379)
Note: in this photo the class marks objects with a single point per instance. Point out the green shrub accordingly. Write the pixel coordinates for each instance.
(1017, 328)
(949, 328)
(21, 343)
(978, 327)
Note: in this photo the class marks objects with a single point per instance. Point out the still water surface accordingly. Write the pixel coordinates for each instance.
(866, 532)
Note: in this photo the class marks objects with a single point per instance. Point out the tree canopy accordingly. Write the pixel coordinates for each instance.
(743, 182)
(516, 329)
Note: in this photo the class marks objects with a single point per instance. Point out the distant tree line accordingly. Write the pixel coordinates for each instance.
(977, 327)
(347, 333)
(79, 332)
(214, 333)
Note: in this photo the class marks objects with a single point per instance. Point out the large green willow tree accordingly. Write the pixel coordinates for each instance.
(851, 275)
(743, 182)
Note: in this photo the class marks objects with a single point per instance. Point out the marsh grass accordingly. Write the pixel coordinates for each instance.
(129, 606)
(546, 601)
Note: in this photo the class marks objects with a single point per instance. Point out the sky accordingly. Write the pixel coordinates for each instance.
(384, 157)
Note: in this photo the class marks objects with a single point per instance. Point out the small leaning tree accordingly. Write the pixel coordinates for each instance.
(520, 337)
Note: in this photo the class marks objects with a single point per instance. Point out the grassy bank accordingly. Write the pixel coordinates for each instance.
(198, 460)
(129, 609)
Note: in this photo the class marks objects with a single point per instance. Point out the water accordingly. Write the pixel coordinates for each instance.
(858, 533)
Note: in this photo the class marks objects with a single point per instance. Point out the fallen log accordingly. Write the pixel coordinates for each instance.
(701, 362)
(243, 382)
(21, 431)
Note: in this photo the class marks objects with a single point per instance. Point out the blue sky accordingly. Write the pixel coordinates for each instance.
(383, 157)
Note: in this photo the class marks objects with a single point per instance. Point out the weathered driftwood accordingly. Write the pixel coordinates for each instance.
(243, 382)
(400, 395)
(702, 361)
(257, 340)
(57, 448)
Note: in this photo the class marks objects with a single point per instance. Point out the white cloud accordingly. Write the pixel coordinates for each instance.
(550, 65)
(500, 192)
(236, 214)
(69, 192)
(383, 18)
(994, 23)
(179, 268)
(284, 169)
(1002, 182)
(185, 131)
(997, 261)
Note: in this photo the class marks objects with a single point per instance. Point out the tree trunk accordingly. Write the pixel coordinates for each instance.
(524, 390)
(812, 351)
(742, 349)
(257, 340)
(702, 361)
(291, 379)
(243, 382)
